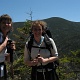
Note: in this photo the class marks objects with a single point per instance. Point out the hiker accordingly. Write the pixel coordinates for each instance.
(5, 28)
(39, 58)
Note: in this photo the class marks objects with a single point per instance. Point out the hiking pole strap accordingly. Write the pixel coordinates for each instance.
(43, 71)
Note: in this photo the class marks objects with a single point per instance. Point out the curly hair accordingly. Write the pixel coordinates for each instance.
(39, 23)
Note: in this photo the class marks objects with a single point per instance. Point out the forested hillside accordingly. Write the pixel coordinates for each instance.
(66, 34)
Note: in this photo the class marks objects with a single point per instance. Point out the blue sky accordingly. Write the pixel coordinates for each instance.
(41, 9)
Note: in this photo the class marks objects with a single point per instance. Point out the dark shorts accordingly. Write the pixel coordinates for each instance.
(43, 73)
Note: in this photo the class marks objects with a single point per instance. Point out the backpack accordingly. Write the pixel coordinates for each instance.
(47, 35)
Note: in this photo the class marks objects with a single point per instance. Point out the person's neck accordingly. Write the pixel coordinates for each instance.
(38, 39)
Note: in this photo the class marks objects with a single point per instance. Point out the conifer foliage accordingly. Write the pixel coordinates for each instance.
(69, 62)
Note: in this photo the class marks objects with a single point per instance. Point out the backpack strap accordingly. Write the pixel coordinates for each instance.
(48, 46)
(48, 43)
(56, 63)
(46, 40)
(30, 43)
(40, 47)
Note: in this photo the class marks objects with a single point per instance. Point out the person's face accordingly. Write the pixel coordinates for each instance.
(5, 26)
(37, 31)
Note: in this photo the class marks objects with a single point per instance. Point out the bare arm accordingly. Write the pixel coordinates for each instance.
(3, 45)
(27, 60)
(54, 54)
(11, 48)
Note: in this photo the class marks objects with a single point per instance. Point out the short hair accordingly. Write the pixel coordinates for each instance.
(5, 17)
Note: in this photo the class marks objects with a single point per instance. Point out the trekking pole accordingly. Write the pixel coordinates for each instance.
(11, 61)
(11, 51)
(43, 72)
(42, 68)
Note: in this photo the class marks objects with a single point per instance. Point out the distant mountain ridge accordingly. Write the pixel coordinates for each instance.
(66, 34)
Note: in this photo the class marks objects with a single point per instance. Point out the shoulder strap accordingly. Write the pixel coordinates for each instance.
(46, 40)
(30, 43)
(48, 43)
(1, 38)
(49, 46)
